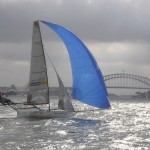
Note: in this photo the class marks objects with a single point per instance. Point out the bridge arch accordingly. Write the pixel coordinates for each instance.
(144, 80)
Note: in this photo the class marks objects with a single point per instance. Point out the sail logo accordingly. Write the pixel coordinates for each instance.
(43, 82)
(37, 83)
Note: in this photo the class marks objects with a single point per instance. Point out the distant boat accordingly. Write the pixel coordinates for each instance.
(88, 84)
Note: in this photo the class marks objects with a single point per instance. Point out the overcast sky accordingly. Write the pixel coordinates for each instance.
(117, 32)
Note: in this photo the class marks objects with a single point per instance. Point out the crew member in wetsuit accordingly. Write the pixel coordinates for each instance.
(29, 97)
(4, 100)
(1, 99)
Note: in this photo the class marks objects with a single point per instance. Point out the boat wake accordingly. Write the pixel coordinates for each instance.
(8, 115)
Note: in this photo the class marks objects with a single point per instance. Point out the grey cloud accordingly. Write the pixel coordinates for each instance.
(93, 21)
(101, 20)
(15, 51)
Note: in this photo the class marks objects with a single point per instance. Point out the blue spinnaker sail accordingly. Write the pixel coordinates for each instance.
(88, 83)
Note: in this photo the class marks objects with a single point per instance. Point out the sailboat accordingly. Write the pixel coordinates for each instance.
(88, 84)
(39, 86)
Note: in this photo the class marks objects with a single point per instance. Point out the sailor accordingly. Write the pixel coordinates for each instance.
(1, 99)
(4, 100)
(61, 104)
(29, 97)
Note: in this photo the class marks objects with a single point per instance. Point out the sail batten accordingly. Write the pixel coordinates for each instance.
(88, 83)
(37, 56)
(38, 42)
(38, 72)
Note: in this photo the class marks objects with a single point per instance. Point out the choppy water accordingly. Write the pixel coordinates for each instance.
(125, 126)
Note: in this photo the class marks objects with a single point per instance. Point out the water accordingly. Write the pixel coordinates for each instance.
(125, 126)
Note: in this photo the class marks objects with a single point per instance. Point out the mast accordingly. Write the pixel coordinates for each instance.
(45, 65)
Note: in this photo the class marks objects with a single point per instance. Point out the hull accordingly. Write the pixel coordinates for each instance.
(45, 114)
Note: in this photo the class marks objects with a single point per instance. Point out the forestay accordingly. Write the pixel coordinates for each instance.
(38, 81)
(88, 83)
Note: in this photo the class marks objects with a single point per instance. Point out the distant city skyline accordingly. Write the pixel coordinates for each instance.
(116, 32)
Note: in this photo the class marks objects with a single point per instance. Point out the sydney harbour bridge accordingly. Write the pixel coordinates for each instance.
(123, 81)
(126, 81)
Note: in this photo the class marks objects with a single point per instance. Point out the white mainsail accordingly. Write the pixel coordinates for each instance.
(38, 81)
